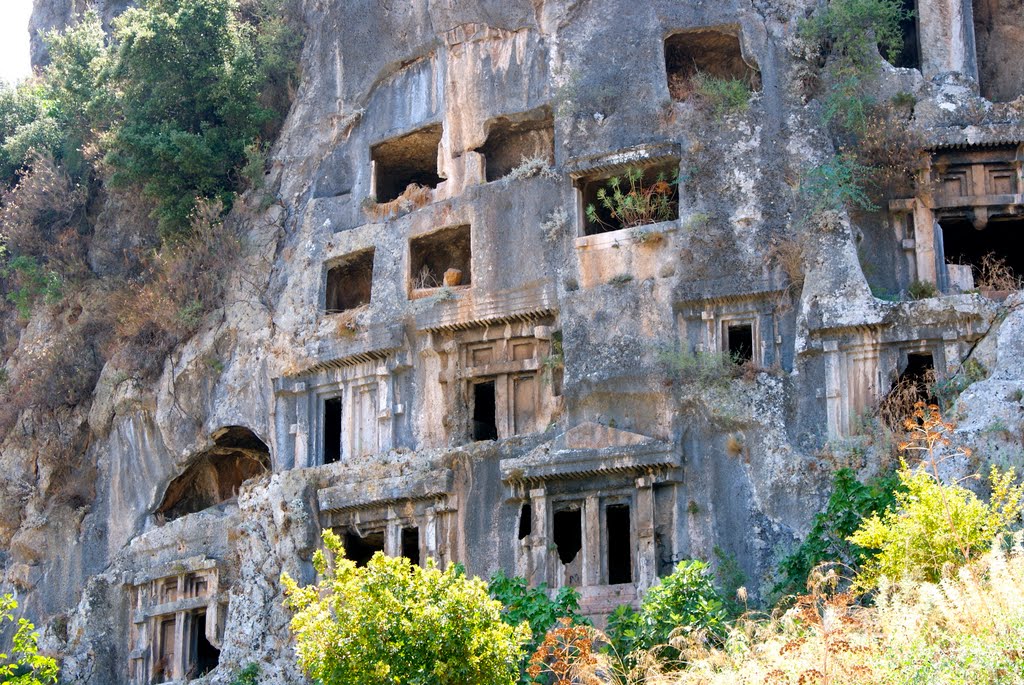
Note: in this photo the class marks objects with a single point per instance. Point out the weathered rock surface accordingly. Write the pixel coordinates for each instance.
(557, 340)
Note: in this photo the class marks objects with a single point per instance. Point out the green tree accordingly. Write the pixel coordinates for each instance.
(393, 622)
(188, 84)
(685, 600)
(23, 665)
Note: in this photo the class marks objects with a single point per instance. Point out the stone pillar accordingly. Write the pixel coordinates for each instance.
(924, 244)
(833, 389)
(594, 541)
(646, 562)
(538, 540)
(430, 541)
(946, 35)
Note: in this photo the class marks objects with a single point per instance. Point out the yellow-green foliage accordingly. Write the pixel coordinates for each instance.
(23, 665)
(967, 629)
(934, 525)
(393, 622)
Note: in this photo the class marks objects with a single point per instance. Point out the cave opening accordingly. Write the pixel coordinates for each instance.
(349, 282)
(406, 160)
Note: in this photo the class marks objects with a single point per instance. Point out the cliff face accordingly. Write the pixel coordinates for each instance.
(472, 370)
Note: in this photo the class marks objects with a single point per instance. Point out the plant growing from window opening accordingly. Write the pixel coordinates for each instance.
(630, 201)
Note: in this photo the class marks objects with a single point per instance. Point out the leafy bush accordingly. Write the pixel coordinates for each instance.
(247, 676)
(629, 201)
(532, 606)
(934, 526)
(854, 28)
(23, 665)
(395, 622)
(838, 182)
(684, 601)
(31, 283)
(849, 504)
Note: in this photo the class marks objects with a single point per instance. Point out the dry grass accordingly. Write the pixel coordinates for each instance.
(966, 629)
(995, 274)
(413, 197)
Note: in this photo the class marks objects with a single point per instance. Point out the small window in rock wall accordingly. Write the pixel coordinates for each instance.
(568, 534)
(525, 521)
(485, 425)
(513, 141)
(715, 53)
(739, 342)
(649, 195)
(361, 548)
(619, 545)
(442, 258)
(332, 430)
(411, 544)
(406, 160)
(349, 282)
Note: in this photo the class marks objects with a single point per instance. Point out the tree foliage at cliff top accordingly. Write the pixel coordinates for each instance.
(171, 101)
(394, 622)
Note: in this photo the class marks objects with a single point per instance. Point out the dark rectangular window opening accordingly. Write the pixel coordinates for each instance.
(657, 181)
(909, 56)
(442, 258)
(995, 252)
(525, 521)
(407, 160)
(485, 426)
(620, 546)
(411, 544)
(361, 549)
(349, 282)
(567, 532)
(204, 655)
(332, 430)
(740, 342)
(709, 52)
(511, 141)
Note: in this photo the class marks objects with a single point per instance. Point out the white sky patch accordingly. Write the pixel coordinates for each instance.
(14, 50)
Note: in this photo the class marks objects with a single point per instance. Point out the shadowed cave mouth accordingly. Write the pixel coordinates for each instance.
(349, 282)
(214, 476)
(999, 244)
(713, 52)
(511, 141)
(406, 160)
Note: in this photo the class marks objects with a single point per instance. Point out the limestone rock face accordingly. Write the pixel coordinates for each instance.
(431, 346)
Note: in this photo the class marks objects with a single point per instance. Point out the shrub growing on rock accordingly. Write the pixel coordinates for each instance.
(394, 622)
(22, 664)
